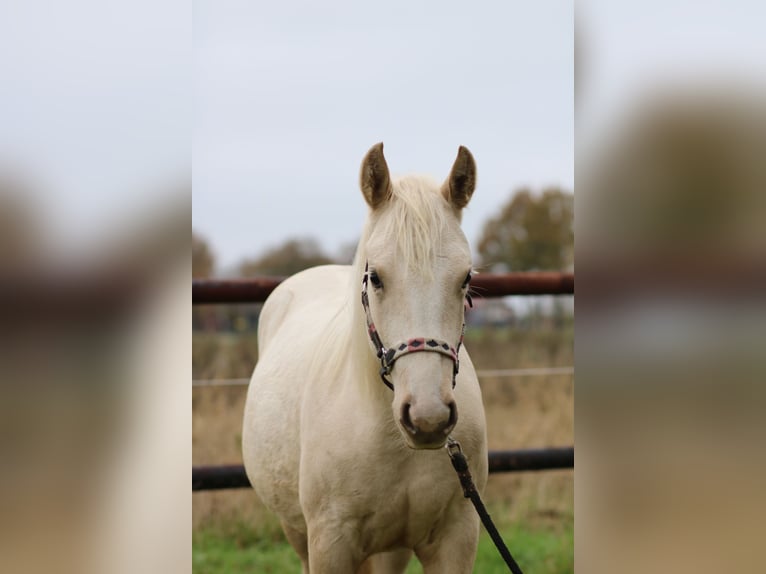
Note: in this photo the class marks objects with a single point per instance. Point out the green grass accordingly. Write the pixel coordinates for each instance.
(234, 547)
(540, 550)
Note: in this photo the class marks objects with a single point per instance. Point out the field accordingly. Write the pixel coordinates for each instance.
(233, 532)
(545, 550)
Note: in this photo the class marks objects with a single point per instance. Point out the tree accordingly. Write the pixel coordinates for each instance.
(203, 262)
(292, 256)
(531, 233)
(204, 317)
(22, 240)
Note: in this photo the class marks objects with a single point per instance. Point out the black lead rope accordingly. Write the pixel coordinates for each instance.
(460, 463)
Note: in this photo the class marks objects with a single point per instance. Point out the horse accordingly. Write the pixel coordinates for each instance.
(346, 418)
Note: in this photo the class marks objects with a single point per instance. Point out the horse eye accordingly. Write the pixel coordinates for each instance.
(375, 280)
(467, 280)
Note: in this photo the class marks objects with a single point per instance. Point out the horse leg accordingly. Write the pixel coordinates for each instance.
(332, 549)
(453, 550)
(394, 562)
(299, 542)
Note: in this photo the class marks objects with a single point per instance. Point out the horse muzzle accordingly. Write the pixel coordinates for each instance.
(428, 428)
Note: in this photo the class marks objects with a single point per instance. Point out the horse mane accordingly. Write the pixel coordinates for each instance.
(416, 216)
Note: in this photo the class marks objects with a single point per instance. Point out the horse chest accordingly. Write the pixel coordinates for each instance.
(391, 496)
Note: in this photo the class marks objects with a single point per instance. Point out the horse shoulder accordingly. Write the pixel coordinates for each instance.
(294, 297)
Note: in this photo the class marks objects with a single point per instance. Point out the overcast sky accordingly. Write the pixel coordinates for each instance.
(281, 100)
(290, 95)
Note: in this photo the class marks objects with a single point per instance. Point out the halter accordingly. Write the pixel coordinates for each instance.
(389, 356)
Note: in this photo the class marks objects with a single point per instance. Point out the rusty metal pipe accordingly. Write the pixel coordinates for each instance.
(214, 291)
(234, 476)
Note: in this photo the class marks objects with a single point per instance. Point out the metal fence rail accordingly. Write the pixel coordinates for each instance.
(214, 291)
(234, 476)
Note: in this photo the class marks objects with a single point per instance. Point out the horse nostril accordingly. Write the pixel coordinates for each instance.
(452, 416)
(406, 420)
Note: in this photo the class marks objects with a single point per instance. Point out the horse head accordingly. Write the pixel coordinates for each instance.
(417, 265)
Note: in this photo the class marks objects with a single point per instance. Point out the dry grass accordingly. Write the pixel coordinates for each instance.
(523, 412)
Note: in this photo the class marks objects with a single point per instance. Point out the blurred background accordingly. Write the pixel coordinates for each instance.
(671, 317)
(95, 202)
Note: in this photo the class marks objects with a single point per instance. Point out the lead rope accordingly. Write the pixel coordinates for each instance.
(460, 463)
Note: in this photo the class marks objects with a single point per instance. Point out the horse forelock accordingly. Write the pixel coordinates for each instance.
(415, 219)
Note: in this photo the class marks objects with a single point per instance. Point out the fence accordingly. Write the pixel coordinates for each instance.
(256, 290)
(208, 291)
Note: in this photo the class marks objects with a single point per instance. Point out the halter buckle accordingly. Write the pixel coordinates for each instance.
(453, 447)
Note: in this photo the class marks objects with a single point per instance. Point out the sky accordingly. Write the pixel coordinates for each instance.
(289, 96)
(107, 109)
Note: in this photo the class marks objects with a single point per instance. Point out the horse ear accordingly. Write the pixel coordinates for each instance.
(461, 182)
(374, 179)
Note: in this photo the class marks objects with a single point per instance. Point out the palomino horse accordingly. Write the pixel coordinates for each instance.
(356, 473)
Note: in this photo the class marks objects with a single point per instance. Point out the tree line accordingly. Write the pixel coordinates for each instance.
(532, 232)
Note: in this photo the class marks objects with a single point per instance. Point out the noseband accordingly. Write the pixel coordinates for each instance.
(389, 356)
